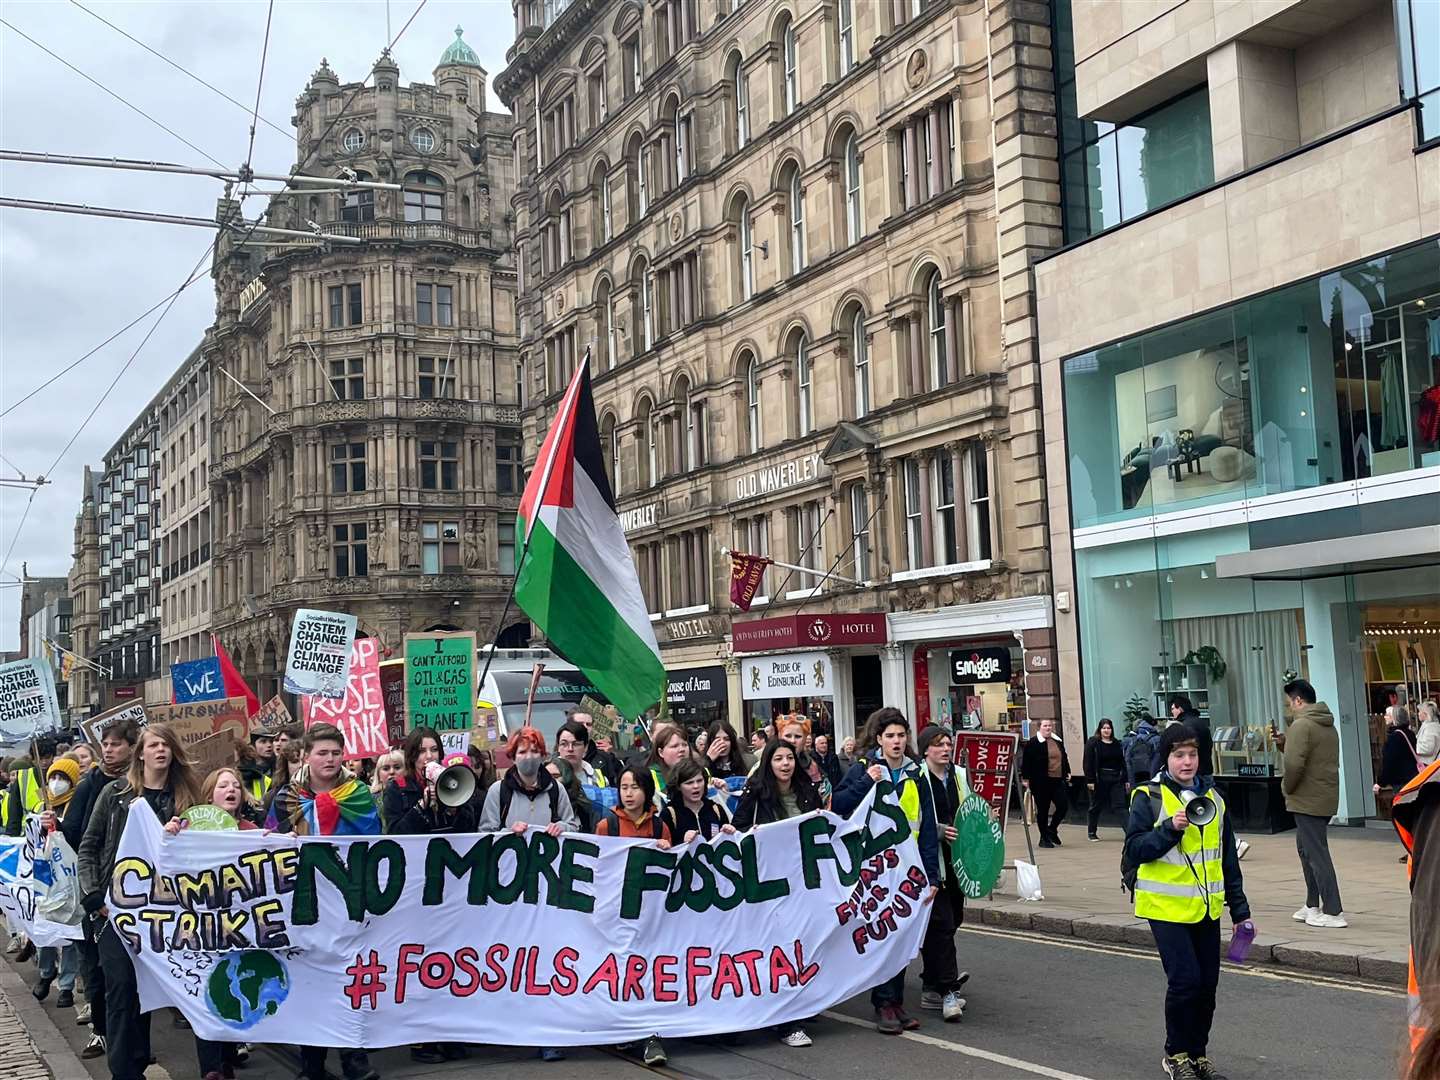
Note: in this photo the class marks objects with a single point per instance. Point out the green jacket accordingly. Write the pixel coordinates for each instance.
(1312, 763)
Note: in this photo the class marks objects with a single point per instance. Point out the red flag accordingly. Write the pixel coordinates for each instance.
(746, 572)
(234, 684)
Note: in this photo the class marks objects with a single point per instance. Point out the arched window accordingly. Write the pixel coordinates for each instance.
(790, 57)
(675, 155)
(615, 457)
(605, 317)
(854, 227)
(652, 447)
(796, 199)
(609, 447)
(804, 401)
(642, 303)
(937, 331)
(601, 210)
(744, 249)
(558, 228)
(860, 363)
(637, 195)
(752, 404)
(685, 445)
(645, 431)
(424, 197)
(741, 93)
(359, 204)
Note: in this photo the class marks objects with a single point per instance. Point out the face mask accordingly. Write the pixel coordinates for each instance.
(529, 767)
(58, 786)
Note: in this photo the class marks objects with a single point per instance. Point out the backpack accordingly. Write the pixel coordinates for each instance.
(507, 796)
(612, 827)
(1130, 872)
(1140, 748)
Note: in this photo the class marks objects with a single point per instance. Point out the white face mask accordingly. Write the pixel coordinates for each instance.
(58, 786)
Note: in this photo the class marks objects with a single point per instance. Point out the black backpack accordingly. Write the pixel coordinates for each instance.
(507, 796)
(1129, 872)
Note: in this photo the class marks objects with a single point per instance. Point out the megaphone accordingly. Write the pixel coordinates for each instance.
(454, 785)
(1200, 809)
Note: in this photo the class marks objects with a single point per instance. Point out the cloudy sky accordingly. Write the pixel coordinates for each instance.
(67, 283)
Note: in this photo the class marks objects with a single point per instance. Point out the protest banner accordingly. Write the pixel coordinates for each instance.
(95, 727)
(27, 700)
(392, 696)
(988, 758)
(360, 714)
(197, 720)
(509, 938)
(273, 716)
(27, 875)
(440, 681)
(197, 680)
(319, 659)
(212, 753)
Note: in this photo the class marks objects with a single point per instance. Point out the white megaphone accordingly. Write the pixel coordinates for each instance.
(1199, 809)
(453, 785)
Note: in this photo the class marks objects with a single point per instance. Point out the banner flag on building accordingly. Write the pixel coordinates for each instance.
(746, 573)
(235, 686)
(577, 579)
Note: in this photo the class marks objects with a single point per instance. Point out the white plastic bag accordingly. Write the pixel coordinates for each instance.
(1027, 880)
(59, 901)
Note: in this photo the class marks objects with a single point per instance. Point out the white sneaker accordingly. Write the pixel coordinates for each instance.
(1319, 918)
(1242, 849)
(797, 1038)
(953, 1008)
(1303, 915)
(931, 999)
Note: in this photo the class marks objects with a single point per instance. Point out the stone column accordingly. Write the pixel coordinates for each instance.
(927, 513)
(955, 363)
(894, 679)
(895, 517)
(917, 354)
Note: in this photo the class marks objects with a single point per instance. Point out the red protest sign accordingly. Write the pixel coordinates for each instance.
(360, 714)
(988, 758)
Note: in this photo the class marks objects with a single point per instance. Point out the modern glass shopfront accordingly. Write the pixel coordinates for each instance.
(1188, 446)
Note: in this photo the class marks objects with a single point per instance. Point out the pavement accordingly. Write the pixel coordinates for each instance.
(1083, 899)
(1038, 1007)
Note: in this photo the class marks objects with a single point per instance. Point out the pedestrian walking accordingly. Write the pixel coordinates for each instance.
(1185, 876)
(1311, 786)
(1045, 772)
(885, 754)
(161, 774)
(946, 786)
(1427, 734)
(1104, 773)
(1141, 746)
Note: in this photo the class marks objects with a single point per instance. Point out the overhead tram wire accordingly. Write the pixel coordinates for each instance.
(128, 104)
(259, 85)
(183, 70)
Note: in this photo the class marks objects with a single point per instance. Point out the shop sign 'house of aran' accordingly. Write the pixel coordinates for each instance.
(504, 937)
(576, 579)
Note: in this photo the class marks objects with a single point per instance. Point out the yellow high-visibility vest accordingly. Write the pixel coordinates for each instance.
(1187, 883)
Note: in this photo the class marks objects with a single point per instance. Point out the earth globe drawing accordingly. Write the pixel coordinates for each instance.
(246, 987)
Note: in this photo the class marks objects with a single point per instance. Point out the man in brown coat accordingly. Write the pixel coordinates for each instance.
(1312, 794)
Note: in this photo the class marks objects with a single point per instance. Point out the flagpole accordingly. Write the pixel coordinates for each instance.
(780, 592)
(868, 521)
(546, 469)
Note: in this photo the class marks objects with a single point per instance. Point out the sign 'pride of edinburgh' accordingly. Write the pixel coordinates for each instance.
(506, 937)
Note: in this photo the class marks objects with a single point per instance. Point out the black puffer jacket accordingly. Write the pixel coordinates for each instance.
(96, 857)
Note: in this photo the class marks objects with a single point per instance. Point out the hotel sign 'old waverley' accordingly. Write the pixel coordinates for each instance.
(807, 290)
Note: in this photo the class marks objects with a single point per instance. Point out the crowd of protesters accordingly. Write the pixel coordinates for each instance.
(677, 789)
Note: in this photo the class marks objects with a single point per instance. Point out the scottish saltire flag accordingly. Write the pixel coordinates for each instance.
(577, 579)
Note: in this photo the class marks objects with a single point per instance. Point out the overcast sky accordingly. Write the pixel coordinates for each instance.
(67, 282)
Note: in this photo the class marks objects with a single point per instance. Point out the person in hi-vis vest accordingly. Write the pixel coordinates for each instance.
(1186, 874)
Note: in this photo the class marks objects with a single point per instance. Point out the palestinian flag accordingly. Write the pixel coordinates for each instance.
(577, 579)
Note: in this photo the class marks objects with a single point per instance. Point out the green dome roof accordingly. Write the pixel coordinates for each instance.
(459, 52)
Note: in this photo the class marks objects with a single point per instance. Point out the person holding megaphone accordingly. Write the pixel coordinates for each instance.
(1180, 848)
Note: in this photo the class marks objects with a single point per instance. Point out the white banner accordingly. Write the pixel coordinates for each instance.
(29, 873)
(319, 659)
(515, 939)
(801, 674)
(27, 700)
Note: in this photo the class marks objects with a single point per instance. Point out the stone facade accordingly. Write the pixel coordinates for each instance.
(798, 238)
(84, 587)
(366, 464)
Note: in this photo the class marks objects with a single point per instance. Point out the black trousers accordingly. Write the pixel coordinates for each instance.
(1103, 797)
(1190, 953)
(1047, 792)
(889, 992)
(127, 1039)
(216, 1057)
(1312, 841)
(353, 1063)
(94, 977)
(939, 966)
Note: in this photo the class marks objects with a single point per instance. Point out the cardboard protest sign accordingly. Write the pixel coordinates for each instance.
(360, 714)
(273, 716)
(392, 694)
(509, 938)
(197, 680)
(453, 742)
(607, 723)
(197, 720)
(989, 760)
(319, 659)
(440, 681)
(212, 753)
(95, 727)
(27, 700)
(485, 735)
(208, 818)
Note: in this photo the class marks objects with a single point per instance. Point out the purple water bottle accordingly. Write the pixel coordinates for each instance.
(1240, 942)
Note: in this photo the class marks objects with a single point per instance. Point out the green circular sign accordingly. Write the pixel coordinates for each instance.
(208, 818)
(978, 851)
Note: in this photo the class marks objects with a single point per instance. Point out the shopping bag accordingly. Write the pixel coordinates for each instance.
(1027, 880)
(58, 875)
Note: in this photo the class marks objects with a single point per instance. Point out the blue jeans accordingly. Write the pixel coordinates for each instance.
(68, 957)
(890, 992)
